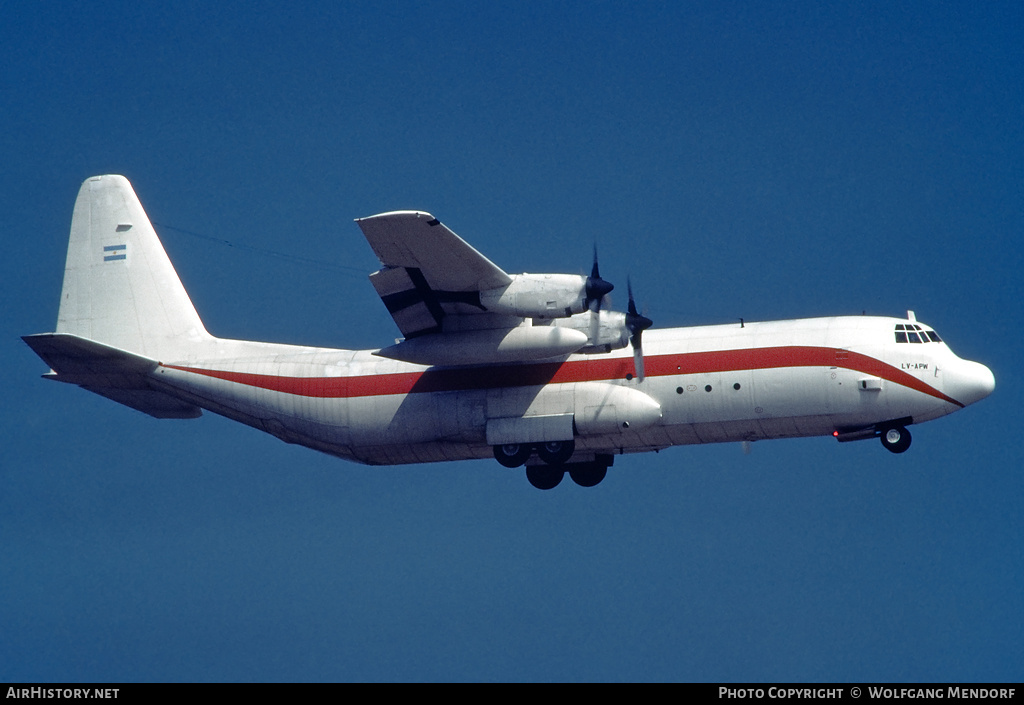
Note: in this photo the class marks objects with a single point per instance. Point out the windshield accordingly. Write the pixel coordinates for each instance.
(913, 333)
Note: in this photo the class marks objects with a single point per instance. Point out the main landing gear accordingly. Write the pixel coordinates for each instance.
(512, 455)
(554, 454)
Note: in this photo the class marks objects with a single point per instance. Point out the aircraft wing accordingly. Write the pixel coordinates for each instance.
(429, 271)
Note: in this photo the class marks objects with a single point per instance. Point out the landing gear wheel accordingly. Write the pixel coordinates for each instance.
(588, 474)
(512, 455)
(895, 439)
(556, 452)
(544, 477)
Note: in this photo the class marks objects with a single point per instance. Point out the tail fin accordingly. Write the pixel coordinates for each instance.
(120, 288)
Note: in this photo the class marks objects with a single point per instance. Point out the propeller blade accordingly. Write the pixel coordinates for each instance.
(636, 324)
(638, 363)
(596, 288)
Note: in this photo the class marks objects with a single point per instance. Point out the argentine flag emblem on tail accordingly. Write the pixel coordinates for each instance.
(115, 252)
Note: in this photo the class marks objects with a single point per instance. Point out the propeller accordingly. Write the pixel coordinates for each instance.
(595, 291)
(636, 324)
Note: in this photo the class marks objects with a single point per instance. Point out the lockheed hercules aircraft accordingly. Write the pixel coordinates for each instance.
(526, 368)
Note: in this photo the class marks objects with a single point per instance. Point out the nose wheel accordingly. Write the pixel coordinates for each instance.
(895, 439)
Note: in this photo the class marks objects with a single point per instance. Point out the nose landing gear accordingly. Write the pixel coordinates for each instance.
(895, 439)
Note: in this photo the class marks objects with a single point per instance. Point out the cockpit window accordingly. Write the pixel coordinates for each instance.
(913, 333)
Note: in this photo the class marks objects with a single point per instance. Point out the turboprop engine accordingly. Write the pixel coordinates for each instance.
(547, 296)
(610, 328)
(538, 296)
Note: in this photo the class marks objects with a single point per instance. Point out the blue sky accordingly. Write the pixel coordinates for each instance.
(763, 160)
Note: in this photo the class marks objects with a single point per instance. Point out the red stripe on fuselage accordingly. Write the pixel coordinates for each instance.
(587, 370)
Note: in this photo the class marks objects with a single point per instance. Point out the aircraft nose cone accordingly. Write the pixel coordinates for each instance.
(970, 382)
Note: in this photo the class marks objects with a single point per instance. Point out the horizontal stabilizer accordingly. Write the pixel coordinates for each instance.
(107, 371)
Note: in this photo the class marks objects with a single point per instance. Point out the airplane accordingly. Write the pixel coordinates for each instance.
(529, 369)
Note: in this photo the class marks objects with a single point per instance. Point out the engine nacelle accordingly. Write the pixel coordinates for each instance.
(612, 333)
(538, 296)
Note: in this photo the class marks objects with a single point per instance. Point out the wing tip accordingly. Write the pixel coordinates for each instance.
(400, 215)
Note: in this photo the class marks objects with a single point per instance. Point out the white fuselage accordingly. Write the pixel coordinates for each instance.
(524, 367)
(706, 384)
